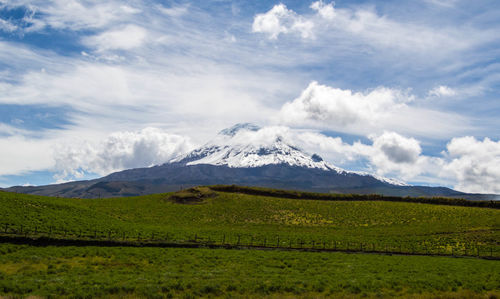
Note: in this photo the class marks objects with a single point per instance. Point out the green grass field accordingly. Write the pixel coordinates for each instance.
(127, 271)
(229, 216)
(86, 272)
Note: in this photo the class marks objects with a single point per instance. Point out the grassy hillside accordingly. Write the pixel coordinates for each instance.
(235, 218)
(257, 219)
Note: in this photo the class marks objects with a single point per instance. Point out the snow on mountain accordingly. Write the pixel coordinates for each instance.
(381, 178)
(247, 145)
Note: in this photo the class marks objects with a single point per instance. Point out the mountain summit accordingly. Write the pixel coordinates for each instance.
(244, 154)
(246, 145)
(240, 146)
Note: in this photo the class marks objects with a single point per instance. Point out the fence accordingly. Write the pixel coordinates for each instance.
(245, 241)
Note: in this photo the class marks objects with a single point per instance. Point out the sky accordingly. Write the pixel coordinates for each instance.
(403, 89)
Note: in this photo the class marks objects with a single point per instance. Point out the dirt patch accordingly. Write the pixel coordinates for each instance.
(196, 195)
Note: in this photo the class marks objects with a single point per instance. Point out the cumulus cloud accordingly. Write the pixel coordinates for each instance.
(442, 91)
(475, 164)
(397, 148)
(325, 11)
(126, 38)
(341, 107)
(364, 113)
(120, 150)
(389, 154)
(399, 157)
(280, 19)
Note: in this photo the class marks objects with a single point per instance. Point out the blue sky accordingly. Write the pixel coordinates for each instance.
(404, 89)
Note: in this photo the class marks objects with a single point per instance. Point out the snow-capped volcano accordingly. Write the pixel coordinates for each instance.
(247, 145)
(242, 155)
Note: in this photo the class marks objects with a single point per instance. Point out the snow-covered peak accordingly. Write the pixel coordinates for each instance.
(247, 145)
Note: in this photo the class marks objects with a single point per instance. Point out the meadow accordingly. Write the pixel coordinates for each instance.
(88, 272)
(202, 216)
(232, 218)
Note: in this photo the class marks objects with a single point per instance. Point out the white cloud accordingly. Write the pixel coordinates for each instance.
(118, 151)
(390, 154)
(365, 25)
(326, 11)
(74, 14)
(9, 130)
(475, 164)
(397, 148)
(126, 38)
(399, 157)
(20, 155)
(341, 107)
(7, 26)
(442, 91)
(365, 113)
(280, 19)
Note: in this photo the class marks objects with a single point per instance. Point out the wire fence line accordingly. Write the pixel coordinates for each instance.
(245, 241)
